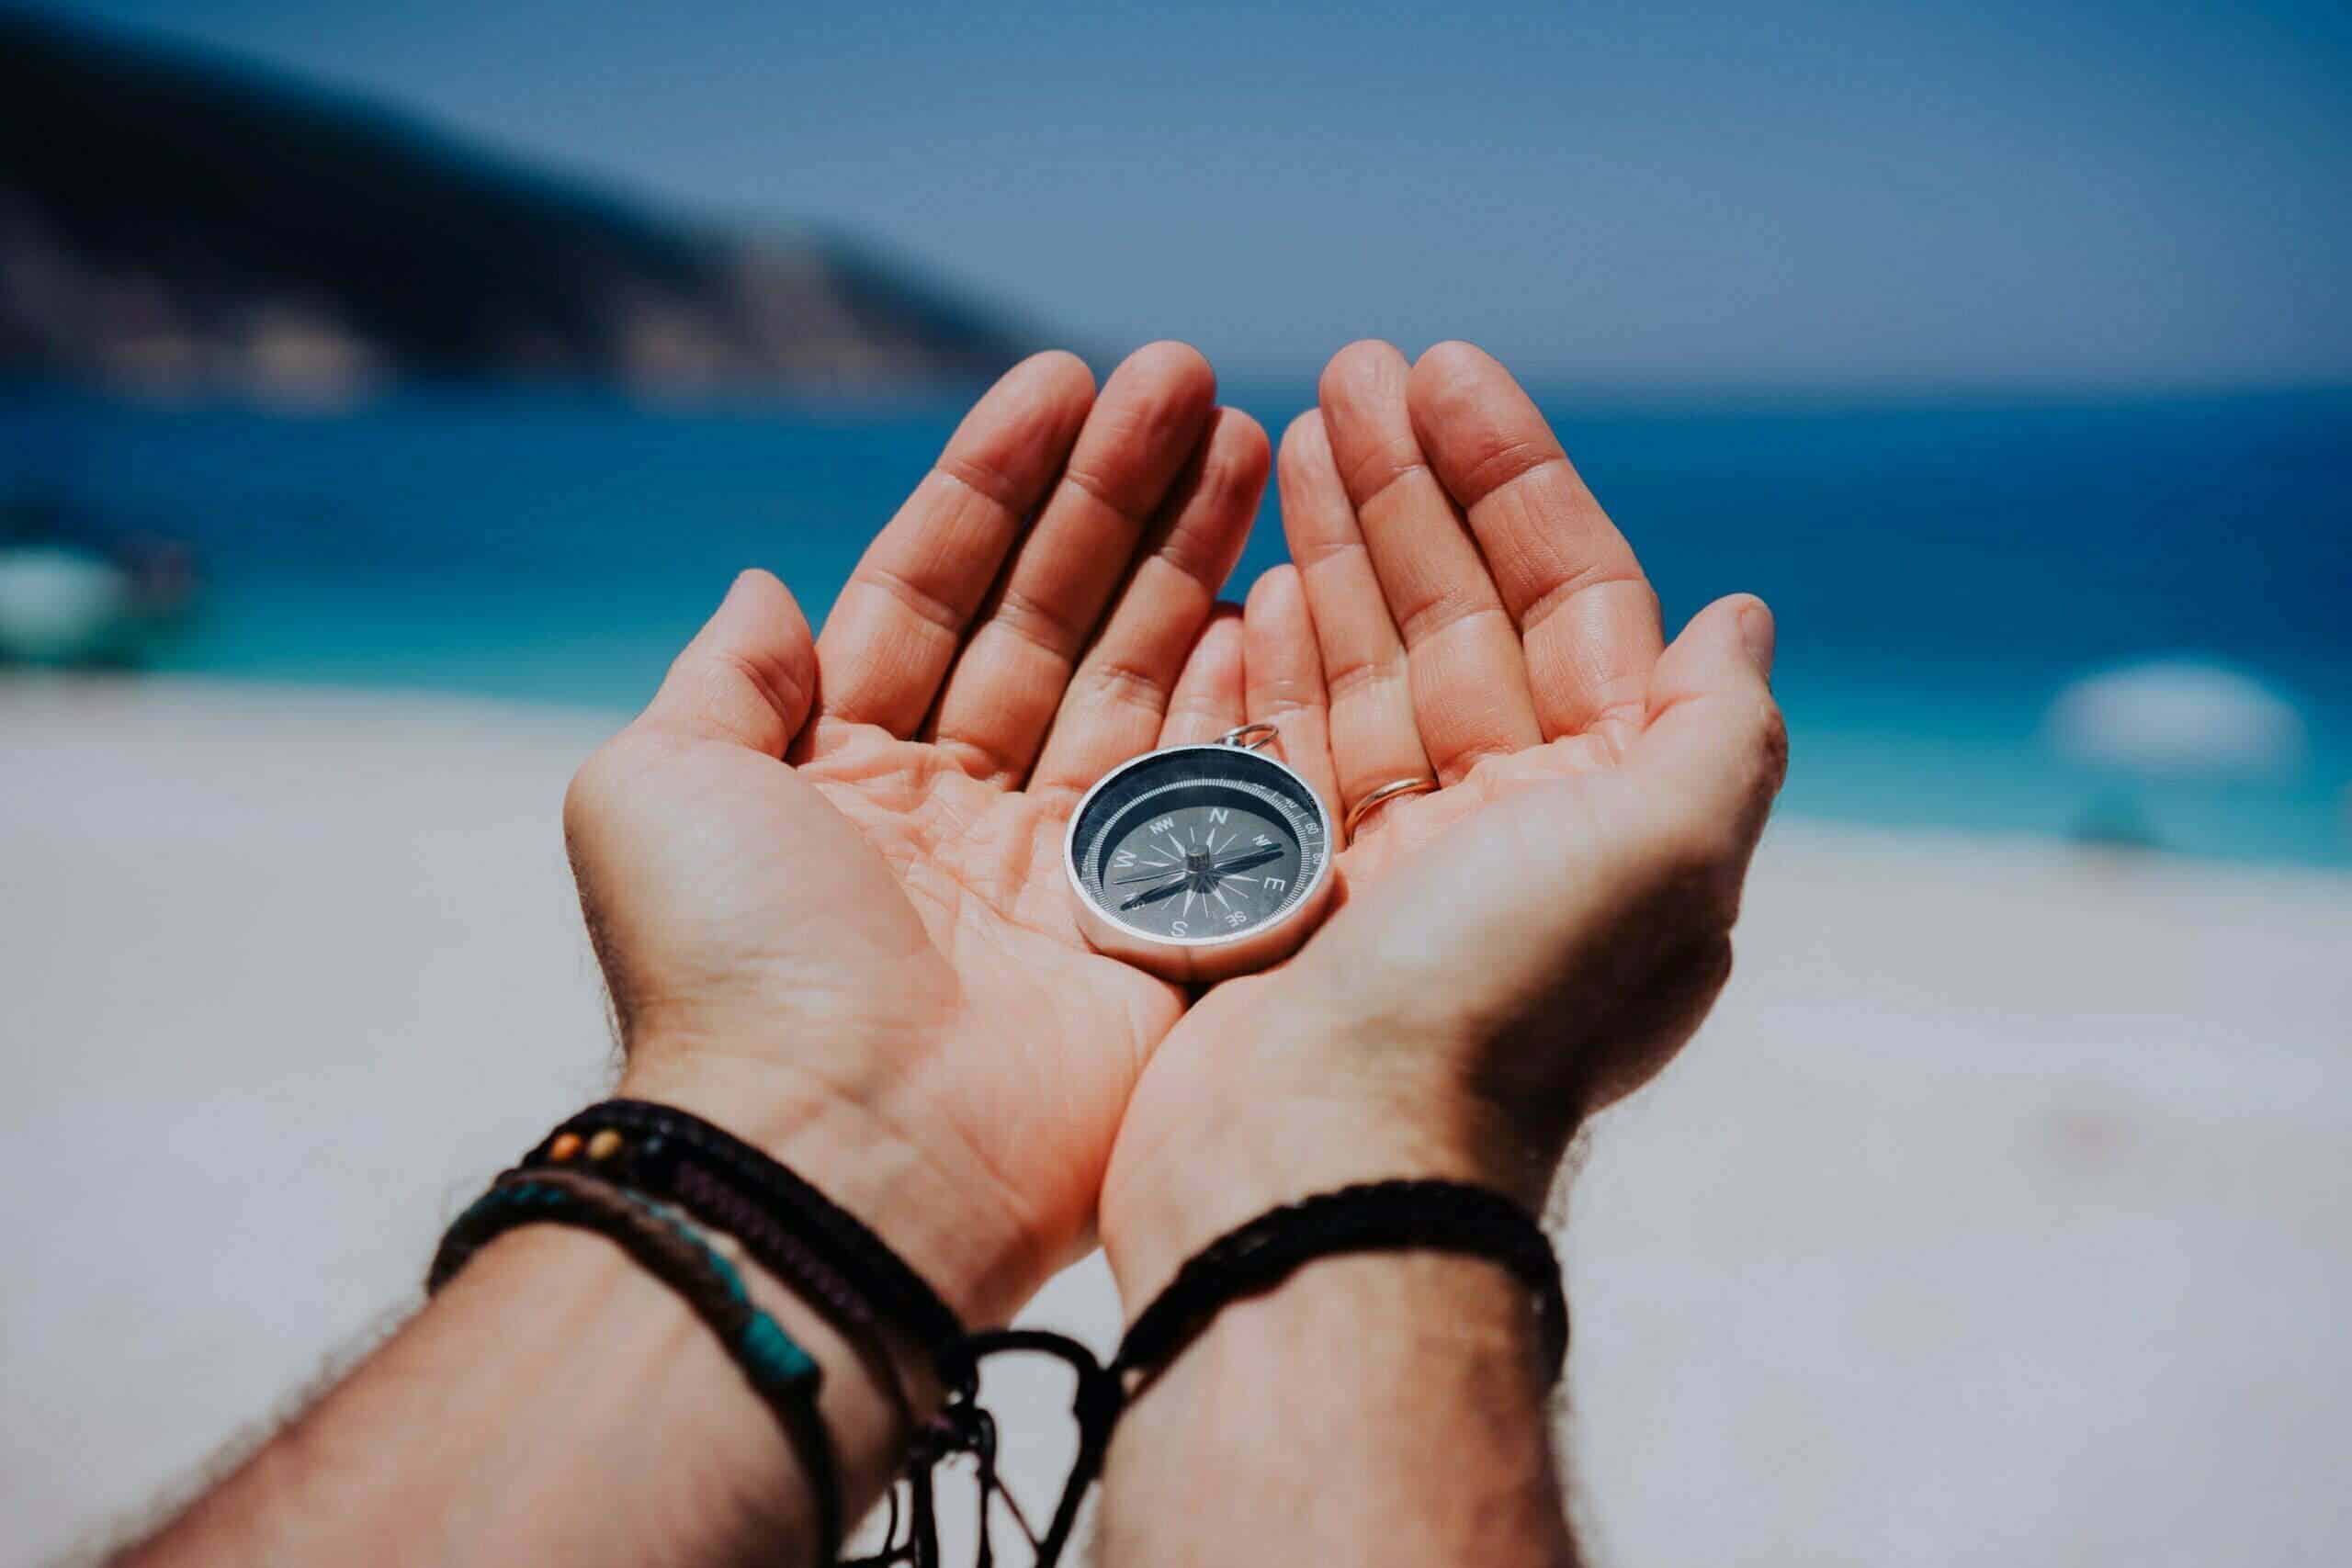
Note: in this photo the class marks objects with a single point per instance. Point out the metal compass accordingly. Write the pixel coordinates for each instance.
(1200, 862)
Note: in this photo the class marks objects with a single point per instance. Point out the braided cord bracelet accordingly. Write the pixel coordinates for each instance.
(653, 1138)
(787, 1379)
(825, 1255)
(1378, 1216)
(662, 1165)
(617, 1165)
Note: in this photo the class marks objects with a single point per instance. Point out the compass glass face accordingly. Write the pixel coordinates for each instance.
(1200, 842)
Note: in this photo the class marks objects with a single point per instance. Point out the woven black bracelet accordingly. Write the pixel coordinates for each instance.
(1381, 1216)
(817, 1250)
(850, 1275)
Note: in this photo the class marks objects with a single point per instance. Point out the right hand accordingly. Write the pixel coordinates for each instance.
(1535, 937)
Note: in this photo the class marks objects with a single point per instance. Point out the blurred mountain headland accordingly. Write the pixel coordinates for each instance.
(170, 222)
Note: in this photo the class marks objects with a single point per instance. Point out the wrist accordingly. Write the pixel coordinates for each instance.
(928, 1197)
(1274, 1122)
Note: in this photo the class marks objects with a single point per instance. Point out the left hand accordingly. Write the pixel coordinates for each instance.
(824, 876)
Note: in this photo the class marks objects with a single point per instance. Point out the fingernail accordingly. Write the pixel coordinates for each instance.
(1756, 630)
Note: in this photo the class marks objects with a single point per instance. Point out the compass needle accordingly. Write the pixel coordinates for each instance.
(1244, 862)
(1153, 894)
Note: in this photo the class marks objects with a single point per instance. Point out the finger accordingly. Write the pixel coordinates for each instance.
(1009, 679)
(1714, 751)
(748, 676)
(1209, 698)
(1468, 677)
(1373, 739)
(1118, 699)
(1283, 676)
(1586, 615)
(898, 621)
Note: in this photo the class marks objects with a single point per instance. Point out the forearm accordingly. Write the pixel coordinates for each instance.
(1378, 1408)
(557, 1402)
(534, 1411)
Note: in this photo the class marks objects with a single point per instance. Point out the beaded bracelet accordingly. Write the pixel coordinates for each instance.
(671, 1249)
(829, 1258)
(660, 1154)
(821, 1250)
(612, 1161)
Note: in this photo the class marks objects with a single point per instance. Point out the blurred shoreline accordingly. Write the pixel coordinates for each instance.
(1996, 616)
(1854, 774)
(1951, 580)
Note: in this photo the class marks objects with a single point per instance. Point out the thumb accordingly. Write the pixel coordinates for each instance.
(1715, 750)
(1533, 886)
(750, 674)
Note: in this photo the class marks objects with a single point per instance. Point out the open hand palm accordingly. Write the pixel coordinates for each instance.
(1540, 926)
(1042, 609)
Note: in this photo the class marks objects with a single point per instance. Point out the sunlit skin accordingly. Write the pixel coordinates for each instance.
(1517, 947)
(1461, 608)
(887, 918)
(825, 881)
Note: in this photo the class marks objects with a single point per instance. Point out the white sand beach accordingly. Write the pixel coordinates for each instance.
(2001, 1213)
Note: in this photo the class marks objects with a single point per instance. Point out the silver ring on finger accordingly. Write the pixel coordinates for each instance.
(1374, 800)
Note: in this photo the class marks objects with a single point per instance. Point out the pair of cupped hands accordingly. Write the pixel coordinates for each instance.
(824, 873)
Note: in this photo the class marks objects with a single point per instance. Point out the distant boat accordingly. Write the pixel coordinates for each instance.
(2178, 716)
(75, 591)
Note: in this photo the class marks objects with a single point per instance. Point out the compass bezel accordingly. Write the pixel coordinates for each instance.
(1217, 954)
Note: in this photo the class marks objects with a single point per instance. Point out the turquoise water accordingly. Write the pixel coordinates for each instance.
(1941, 571)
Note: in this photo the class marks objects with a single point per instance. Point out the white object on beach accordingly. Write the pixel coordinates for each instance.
(2178, 716)
(60, 605)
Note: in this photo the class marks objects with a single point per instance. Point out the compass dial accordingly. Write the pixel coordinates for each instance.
(1197, 846)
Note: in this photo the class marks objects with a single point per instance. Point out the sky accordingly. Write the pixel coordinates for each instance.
(2096, 194)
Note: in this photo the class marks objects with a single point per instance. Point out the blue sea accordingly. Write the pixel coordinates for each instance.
(1941, 570)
